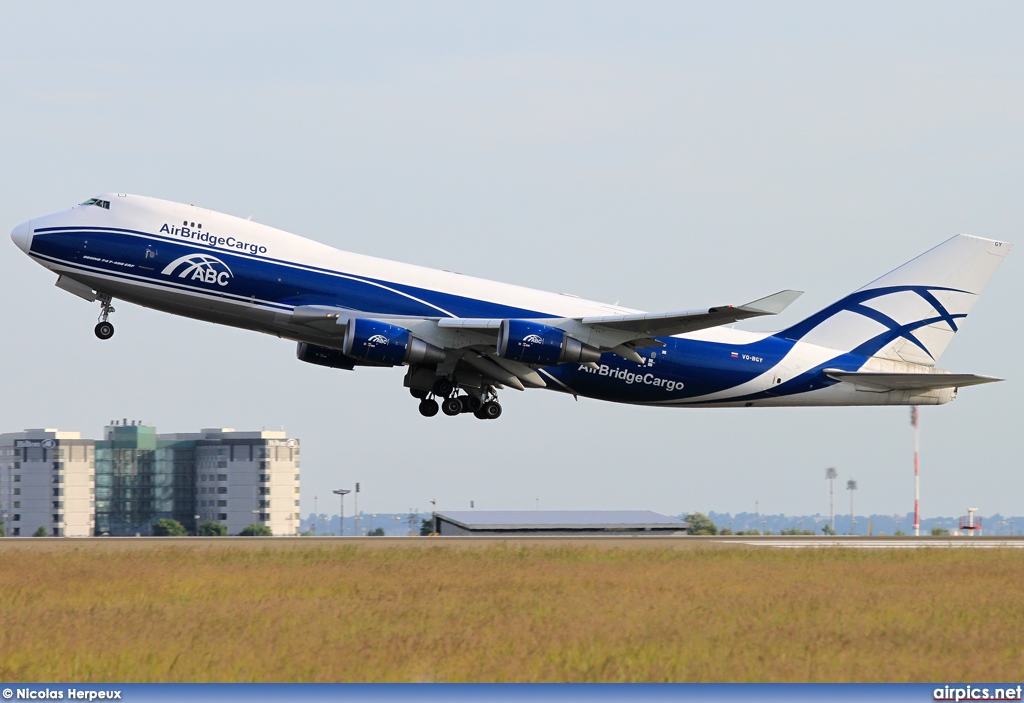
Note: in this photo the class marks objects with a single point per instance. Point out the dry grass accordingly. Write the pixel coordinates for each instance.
(331, 612)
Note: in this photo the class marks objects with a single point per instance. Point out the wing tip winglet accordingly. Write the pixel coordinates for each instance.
(772, 304)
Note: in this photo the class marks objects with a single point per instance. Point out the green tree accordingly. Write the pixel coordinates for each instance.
(700, 524)
(795, 531)
(255, 531)
(899, 533)
(3, 532)
(939, 532)
(426, 527)
(41, 532)
(213, 529)
(726, 531)
(827, 529)
(166, 527)
(379, 532)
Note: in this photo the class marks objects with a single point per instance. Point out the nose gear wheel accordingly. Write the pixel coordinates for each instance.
(104, 329)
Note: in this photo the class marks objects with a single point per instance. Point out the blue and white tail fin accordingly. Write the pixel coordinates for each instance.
(910, 314)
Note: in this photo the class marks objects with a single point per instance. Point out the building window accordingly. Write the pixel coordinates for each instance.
(16, 532)
(221, 503)
(296, 504)
(264, 478)
(17, 491)
(296, 489)
(264, 503)
(17, 517)
(221, 490)
(17, 504)
(58, 505)
(16, 478)
(296, 477)
(222, 464)
(222, 516)
(57, 517)
(56, 532)
(222, 477)
(264, 490)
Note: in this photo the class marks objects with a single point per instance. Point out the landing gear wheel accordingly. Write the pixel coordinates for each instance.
(104, 330)
(490, 411)
(418, 393)
(428, 407)
(443, 387)
(471, 403)
(452, 406)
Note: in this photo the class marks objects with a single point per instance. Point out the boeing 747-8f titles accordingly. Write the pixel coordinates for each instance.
(463, 339)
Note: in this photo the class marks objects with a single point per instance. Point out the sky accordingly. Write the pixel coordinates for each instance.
(662, 155)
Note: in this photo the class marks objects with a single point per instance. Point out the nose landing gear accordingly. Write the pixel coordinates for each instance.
(104, 329)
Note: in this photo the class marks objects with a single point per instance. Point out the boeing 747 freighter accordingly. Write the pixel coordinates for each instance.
(464, 339)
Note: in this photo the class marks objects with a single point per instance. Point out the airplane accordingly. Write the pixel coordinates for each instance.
(464, 339)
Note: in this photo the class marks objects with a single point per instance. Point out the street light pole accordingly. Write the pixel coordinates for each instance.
(830, 474)
(341, 493)
(356, 518)
(851, 486)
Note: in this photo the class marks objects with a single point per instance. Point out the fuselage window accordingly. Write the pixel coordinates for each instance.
(105, 204)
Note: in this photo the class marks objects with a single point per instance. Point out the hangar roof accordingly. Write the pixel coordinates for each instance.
(514, 519)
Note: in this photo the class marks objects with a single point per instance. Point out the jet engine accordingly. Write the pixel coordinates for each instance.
(325, 356)
(382, 343)
(534, 343)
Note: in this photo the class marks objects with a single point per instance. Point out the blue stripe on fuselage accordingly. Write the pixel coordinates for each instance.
(118, 252)
(690, 369)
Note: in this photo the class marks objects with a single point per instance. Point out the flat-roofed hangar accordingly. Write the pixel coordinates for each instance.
(557, 523)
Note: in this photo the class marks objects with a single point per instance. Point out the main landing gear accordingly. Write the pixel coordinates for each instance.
(485, 407)
(104, 329)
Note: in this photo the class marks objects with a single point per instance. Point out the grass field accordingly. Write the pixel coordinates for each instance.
(319, 611)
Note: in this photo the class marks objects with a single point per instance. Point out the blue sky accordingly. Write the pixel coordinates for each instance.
(663, 155)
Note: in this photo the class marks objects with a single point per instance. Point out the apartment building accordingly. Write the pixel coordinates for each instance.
(47, 482)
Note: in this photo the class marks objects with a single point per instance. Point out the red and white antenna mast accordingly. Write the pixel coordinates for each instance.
(915, 420)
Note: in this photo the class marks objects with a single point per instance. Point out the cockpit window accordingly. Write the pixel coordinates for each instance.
(105, 204)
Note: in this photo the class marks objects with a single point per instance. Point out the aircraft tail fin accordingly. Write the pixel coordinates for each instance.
(911, 313)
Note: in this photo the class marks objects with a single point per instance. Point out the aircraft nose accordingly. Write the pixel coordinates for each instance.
(22, 235)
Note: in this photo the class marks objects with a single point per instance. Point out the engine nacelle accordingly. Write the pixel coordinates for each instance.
(542, 345)
(382, 343)
(325, 356)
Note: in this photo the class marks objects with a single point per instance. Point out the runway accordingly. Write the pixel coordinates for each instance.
(673, 542)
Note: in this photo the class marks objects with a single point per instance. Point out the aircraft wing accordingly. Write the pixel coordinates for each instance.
(671, 323)
(908, 381)
(473, 340)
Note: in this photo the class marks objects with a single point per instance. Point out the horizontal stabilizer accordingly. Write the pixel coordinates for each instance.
(909, 381)
(670, 323)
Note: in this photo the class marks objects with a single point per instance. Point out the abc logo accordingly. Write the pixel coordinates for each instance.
(200, 267)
